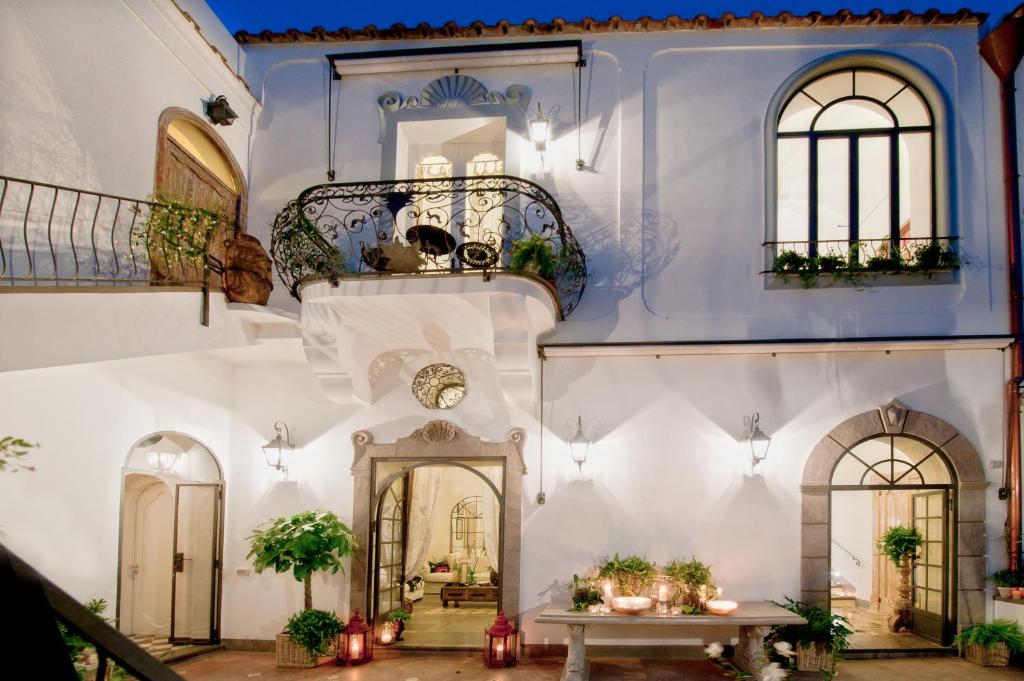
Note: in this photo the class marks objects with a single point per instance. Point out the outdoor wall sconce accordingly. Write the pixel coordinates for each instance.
(759, 442)
(579, 445)
(273, 450)
(219, 112)
(160, 461)
(540, 131)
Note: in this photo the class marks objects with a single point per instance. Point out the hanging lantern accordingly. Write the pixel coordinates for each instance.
(500, 644)
(356, 645)
(387, 634)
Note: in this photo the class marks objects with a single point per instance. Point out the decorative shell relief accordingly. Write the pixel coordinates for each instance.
(453, 91)
(438, 431)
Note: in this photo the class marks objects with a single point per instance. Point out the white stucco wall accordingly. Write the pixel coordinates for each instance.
(853, 520)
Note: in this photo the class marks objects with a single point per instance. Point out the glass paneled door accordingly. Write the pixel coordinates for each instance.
(196, 577)
(390, 548)
(930, 581)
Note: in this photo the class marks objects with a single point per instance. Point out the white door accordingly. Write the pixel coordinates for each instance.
(148, 559)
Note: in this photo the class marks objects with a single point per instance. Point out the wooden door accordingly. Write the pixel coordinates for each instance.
(149, 562)
(931, 582)
(197, 563)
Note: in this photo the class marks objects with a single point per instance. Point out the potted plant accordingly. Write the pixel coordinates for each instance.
(178, 236)
(694, 586)
(399, 617)
(990, 645)
(900, 544)
(632, 575)
(305, 543)
(819, 643)
(535, 254)
(316, 633)
(1004, 580)
(584, 594)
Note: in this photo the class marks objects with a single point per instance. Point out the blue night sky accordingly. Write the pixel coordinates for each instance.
(255, 15)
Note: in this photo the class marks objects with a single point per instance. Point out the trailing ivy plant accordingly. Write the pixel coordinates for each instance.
(900, 542)
(535, 254)
(633, 575)
(179, 232)
(13, 451)
(992, 634)
(694, 584)
(305, 543)
(314, 630)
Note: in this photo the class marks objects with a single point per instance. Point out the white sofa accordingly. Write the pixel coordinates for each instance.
(481, 566)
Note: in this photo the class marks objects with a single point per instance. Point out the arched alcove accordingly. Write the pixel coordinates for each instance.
(967, 483)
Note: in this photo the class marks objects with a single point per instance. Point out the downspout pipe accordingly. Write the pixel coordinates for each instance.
(1002, 49)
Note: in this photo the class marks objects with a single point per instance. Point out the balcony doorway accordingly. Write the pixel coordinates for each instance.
(171, 541)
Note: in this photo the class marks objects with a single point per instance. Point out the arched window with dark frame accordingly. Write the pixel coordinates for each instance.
(855, 167)
(467, 529)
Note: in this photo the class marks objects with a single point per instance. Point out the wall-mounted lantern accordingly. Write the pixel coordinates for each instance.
(219, 112)
(274, 450)
(161, 459)
(540, 130)
(759, 442)
(579, 445)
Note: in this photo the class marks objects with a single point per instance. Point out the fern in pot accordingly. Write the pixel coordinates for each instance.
(901, 544)
(535, 254)
(820, 643)
(307, 542)
(990, 645)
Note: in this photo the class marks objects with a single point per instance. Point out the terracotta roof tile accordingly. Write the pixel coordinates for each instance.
(615, 24)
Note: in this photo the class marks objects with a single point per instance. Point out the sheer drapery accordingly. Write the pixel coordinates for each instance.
(892, 507)
(490, 511)
(426, 481)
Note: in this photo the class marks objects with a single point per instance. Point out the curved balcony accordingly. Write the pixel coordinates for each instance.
(453, 225)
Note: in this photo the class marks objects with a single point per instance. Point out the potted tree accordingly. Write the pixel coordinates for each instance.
(819, 643)
(305, 543)
(900, 544)
(990, 645)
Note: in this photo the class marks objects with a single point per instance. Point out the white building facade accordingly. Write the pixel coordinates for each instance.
(681, 157)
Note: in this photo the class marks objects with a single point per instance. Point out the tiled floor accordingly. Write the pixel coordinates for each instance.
(871, 632)
(433, 626)
(393, 665)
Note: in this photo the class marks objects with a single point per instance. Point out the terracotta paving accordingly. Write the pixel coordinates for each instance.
(392, 665)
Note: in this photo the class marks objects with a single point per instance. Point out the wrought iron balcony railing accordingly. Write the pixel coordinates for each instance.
(428, 227)
(846, 259)
(58, 236)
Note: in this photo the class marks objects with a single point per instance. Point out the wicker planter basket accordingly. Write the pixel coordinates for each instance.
(997, 656)
(293, 655)
(812, 658)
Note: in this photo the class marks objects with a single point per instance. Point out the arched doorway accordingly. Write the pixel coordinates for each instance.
(920, 471)
(171, 541)
(437, 442)
(194, 166)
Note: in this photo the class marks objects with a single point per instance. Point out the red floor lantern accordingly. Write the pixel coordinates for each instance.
(500, 644)
(356, 642)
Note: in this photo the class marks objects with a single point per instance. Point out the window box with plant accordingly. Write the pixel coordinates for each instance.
(990, 645)
(1005, 581)
(305, 543)
(856, 262)
(820, 643)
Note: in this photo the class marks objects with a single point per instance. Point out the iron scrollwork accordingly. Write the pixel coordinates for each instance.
(431, 226)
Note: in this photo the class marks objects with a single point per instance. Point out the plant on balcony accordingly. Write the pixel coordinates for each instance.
(535, 254)
(179, 232)
(819, 643)
(694, 584)
(632, 575)
(13, 451)
(990, 644)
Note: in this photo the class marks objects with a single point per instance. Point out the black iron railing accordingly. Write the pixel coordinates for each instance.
(37, 651)
(52, 235)
(426, 227)
(868, 256)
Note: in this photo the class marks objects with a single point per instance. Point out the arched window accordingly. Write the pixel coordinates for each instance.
(467, 529)
(892, 460)
(856, 166)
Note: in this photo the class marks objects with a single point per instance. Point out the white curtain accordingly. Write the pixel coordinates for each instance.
(490, 510)
(426, 481)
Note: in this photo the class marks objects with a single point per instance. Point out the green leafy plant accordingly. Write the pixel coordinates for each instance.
(633, 575)
(398, 615)
(923, 258)
(823, 628)
(314, 630)
(900, 542)
(179, 232)
(535, 254)
(584, 594)
(13, 451)
(992, 634)
(1005, 578)
(305, 543)
(78, 647)
(694, 584)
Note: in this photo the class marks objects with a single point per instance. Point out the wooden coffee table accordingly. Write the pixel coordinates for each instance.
(473, 593)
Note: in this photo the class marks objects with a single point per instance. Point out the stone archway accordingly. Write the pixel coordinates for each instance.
(895, 418)
(440, 442)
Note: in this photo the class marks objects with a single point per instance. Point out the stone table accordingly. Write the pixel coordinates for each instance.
(754, 618)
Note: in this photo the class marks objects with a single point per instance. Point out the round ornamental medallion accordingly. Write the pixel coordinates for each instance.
(477, 255)
(439, 386)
